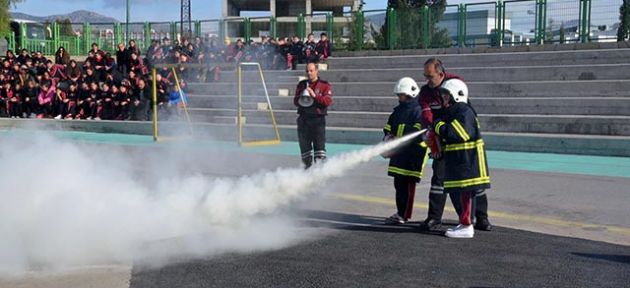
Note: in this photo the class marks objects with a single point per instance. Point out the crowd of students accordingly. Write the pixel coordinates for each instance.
(118, 86)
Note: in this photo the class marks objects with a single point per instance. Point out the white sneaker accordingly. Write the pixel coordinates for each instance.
(461, 231)
(394, 220)
(89, 118)
(58, 117)
(97, 118)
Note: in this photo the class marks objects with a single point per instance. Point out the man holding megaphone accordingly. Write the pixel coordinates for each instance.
(312, 97)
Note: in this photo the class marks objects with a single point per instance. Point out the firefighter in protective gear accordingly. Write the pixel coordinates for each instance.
(406, 162)
(311, 123)
(431, 103)
(463, 151)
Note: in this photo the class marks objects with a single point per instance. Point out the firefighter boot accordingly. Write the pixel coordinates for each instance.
(481, 213)
(436, 209)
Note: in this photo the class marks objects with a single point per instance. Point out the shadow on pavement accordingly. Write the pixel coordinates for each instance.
(353, 222)
(625, 259)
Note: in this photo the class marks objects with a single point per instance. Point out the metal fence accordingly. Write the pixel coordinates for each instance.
(501, 23)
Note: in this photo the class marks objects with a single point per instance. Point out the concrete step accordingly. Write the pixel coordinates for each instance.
(451, 61)
(505, 72)
(541, 106)
(487, 74)
(572, 88)
(516, 123)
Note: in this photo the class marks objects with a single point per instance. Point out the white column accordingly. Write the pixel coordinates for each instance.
(225, 8)
(272, 7)
(309, 11)
(355, 5)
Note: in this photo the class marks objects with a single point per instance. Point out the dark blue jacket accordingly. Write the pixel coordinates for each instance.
(409, 159)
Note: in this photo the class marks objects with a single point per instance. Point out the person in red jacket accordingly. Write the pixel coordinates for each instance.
(312, 97)
(431, 103)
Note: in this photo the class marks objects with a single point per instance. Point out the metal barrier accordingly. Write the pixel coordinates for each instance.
(510, 22)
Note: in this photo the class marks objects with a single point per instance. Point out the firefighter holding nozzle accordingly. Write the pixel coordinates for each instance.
(406, 162)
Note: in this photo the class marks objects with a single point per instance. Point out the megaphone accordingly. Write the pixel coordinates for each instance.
(306, 100)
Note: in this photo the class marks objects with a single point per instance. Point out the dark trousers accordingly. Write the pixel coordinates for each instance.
(405, 193)
(437, 197)
(312, 138)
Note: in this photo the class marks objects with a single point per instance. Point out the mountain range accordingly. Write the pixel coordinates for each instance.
(79, 16)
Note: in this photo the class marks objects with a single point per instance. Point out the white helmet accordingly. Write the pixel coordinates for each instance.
(457, 88)
(407, 86)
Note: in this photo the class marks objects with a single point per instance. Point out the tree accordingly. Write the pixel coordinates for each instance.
(549, 31)
(5, 17)
(409, 25)
(623, 32)
(65, 27)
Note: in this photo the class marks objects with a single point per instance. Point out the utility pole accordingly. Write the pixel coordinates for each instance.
(186, 22)
(127, 24)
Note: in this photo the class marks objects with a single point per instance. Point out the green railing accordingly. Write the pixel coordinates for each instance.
(500, 23)
(10, 38)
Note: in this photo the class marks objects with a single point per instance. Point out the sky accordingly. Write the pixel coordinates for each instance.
(148, 10)
(604, 11)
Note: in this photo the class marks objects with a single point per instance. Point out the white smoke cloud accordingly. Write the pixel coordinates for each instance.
(64, 205)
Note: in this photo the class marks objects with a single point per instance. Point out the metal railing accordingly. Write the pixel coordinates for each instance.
(500, 23)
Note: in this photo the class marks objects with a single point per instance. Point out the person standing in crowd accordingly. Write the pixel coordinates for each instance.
(121, 59)
(466, 173)
(431, 103)
(313, 96)
(406, 163)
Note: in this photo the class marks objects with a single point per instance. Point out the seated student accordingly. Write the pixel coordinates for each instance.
(6, 93)
(45, 100)
(24, 57)
(295, 52)
(29, 99)
(124, 99)
(136, 65)
(74, 71)
(309, 49)
(14, 104)
(84, 101)
(104, 104)
(322, 50)
(68, 107)
(178, 97)
(280, 61)
(60, 99)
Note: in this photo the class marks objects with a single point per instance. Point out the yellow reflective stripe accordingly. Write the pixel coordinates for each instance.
(404, 172)
(417, 126)
(483, 172)
(401, 130)
(387, 127)
(478, 125)
(460, 130)
(463, 146)
(467, 182)
(438, 126)
(423, 144)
